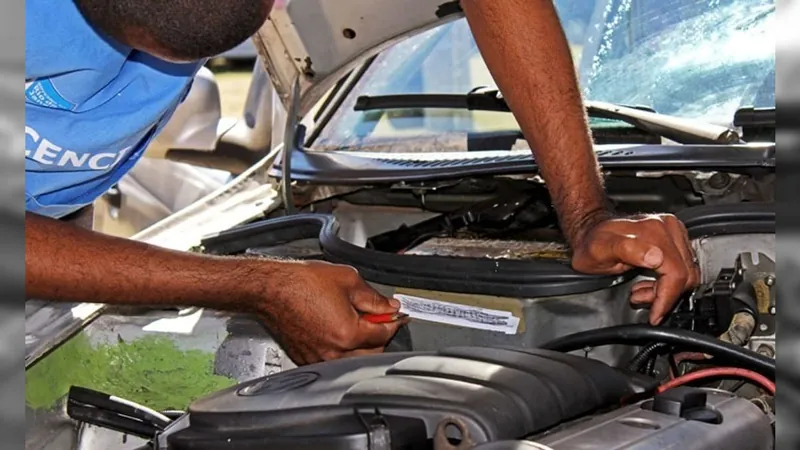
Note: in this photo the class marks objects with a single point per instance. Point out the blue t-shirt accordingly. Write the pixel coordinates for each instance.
(92, 107)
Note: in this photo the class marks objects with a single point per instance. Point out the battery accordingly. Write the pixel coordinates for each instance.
(453, 316)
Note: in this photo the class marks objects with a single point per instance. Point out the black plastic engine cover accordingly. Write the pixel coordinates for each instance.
(401, 397)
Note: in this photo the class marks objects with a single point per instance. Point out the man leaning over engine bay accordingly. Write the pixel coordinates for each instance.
(102, 79)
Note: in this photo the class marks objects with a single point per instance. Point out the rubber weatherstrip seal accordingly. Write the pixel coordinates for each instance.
(498, 277)
(736, 218)
(506, 278)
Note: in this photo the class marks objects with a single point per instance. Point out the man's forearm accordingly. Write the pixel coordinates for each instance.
(67, 263)
(527, 53)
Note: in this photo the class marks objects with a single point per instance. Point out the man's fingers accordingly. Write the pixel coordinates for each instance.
(666, 260)
(643, 292)
(643, 296)
(643, 285)
(373, 335)
(368, 300)
(637, 252)
(669, 287)
(680, 239)
(672, 281)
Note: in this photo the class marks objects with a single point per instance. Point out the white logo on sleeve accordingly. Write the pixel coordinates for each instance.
(47, 153)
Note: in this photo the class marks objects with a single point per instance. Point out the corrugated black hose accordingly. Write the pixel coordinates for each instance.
(650, 368)
(647, 354)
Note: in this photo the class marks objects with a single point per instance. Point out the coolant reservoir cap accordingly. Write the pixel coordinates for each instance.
(688, 403)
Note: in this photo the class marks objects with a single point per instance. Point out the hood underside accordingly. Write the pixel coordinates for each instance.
(318, 41)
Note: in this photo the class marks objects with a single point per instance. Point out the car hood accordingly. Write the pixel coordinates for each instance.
(318, 41)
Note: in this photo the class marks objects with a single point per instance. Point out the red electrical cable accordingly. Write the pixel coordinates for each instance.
(720, 372)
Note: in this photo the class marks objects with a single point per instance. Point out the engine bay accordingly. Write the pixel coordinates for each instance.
(508, 346)
(466, 397)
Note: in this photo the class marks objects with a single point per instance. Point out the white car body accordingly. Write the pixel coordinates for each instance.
(311, 43)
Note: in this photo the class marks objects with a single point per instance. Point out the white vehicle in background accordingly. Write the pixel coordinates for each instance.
(158, 187)
(175, 172)
(246, 51)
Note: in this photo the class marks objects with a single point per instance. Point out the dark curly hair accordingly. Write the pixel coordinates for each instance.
(183, 29)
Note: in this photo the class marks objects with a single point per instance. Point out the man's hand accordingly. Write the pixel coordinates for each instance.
(313, 308)
(537, 77)
(657, 242)
(319, 316)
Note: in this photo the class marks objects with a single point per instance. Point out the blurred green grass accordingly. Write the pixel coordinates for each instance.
(151, 371)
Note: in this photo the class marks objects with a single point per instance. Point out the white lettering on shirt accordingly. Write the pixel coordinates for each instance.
(50, 154)
(94, 162)
(73, 158)
(44, 151)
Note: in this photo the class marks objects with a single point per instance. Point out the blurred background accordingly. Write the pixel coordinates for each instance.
(788, 139)
(12, 272)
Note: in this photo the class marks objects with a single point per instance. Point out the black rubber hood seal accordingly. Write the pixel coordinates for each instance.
(737, 218)
(505, 278)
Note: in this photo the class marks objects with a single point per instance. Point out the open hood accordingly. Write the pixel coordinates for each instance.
(321, 40)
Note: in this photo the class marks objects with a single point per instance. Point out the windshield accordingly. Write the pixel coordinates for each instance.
(700, 59)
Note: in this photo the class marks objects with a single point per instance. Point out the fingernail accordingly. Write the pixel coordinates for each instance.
(657, 321)
(653, 257)
(394, 302)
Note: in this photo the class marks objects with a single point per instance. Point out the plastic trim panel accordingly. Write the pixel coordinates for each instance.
(347, 168)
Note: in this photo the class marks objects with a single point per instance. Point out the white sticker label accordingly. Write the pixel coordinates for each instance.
(461, 315)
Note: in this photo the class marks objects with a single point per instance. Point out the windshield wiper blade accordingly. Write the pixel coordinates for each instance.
(754, 117)
(684, 131)
(756, 124)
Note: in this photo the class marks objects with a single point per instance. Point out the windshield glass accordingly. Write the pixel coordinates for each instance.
(700, 59)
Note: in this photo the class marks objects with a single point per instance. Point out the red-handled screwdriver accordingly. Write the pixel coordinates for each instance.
(384, 318)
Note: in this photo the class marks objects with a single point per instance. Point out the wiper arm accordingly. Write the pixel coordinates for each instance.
(678, 129)
(684, 131)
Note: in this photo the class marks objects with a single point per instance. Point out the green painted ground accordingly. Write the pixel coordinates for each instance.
(151, 371)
